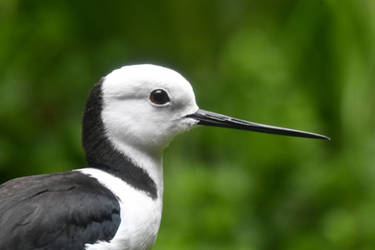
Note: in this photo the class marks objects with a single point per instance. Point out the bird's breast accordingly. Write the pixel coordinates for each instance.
(140, 214)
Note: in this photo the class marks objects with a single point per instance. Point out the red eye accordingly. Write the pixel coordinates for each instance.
(159, 97)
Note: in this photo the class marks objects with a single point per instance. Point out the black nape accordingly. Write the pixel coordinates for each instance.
(101, 154)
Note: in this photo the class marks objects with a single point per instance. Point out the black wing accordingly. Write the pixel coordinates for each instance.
(56, 211)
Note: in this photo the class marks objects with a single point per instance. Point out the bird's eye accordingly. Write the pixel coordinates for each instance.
(159, 97)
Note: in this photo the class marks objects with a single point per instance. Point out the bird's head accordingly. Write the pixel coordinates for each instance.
(145, 106)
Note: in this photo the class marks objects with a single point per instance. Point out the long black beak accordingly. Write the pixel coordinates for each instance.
(213, 119)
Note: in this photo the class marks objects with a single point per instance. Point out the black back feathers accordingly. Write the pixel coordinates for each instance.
(56, 211)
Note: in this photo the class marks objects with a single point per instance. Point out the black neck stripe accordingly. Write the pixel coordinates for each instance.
(100, 152)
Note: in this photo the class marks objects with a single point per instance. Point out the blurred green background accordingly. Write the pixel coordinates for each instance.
(303, 64)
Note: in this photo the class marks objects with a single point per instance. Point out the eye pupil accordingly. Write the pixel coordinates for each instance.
(159, 97)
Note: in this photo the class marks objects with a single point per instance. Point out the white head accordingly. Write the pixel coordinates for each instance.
(145, 106)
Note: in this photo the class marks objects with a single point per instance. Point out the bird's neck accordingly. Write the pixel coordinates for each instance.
(141, 170)
(150, 162)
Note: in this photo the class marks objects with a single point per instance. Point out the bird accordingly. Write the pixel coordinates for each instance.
(115, 201)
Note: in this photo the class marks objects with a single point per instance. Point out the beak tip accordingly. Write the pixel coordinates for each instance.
(322, 137)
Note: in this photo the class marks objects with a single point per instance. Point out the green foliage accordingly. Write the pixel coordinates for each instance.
(298, 63)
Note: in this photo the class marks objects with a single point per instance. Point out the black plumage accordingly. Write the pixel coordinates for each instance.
(56, 211)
